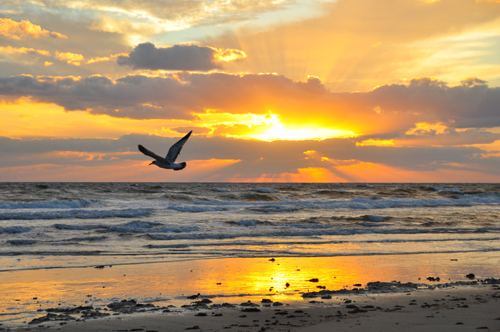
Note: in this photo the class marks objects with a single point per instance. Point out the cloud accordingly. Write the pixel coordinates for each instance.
(394, 108)
(165, 15)
(20, 30)
(112, 57)
(71, 58)
(22, 50)
(178, 57)
(354, 45)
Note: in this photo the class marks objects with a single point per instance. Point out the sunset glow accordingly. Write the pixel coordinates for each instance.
(277, 131)
(259, 85)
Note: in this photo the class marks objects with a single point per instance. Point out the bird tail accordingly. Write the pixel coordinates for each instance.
(183, 165)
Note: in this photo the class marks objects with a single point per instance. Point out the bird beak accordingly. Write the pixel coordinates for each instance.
(152, 163)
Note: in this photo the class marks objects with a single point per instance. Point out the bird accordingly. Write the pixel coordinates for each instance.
(169, 161)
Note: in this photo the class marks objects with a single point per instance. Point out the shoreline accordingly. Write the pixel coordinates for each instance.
(106, 298)
(446, 309)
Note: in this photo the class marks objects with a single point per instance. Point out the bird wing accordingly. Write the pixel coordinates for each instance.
(150, 153)
(175, 149)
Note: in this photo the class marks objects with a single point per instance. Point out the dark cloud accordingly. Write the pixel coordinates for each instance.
(463, 106)
(177, 57)
(449, 136)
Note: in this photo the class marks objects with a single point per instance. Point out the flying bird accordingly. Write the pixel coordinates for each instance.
(169, 161)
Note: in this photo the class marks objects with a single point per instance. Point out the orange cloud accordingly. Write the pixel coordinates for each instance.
(70, 58)
(54, 79)
(112, 57)
(376, 142)
(422, 128)
(227, 55)
(20, 30)
(22, 50)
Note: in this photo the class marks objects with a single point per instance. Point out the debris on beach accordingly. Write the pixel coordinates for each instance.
(398, 287)
(52, 317)
(433, 279)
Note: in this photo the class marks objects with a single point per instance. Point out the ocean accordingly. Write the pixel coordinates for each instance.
(60, 225)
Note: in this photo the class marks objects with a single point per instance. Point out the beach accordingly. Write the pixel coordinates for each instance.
(272, 294)
(173, 256)
(463, 309)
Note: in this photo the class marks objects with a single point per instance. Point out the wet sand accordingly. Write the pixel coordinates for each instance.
(417, 292)
(455, 309)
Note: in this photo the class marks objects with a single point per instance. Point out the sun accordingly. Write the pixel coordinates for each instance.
(277, 131)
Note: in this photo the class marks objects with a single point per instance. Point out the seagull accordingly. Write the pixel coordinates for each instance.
(169, 161)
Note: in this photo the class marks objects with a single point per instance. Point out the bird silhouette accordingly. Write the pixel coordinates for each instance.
(169, 161)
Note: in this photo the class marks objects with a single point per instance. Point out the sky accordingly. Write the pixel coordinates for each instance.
(273, 90)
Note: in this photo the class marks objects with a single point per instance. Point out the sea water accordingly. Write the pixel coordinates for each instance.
(53, 225)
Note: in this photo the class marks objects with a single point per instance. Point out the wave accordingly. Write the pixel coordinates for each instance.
(249, 223)
(87, 238)
(136, 226)
(221, 190)
(265, 190)
(77, 214)
(291, 231)
(197, 208)
(52, 253)
(52, 204)
(269, 204)
(21, 242)
(14, 229)
(311, 242)
(79, 227)
(258, 197)
(151, 227)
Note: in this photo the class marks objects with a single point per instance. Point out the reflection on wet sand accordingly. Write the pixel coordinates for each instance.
(229, 280)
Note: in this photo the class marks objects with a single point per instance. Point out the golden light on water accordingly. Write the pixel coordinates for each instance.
(233, 280)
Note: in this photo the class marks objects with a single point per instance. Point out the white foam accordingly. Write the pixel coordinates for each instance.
(52, 204)
(375, 218)
(78, 214)
(448, 190)
(221, 190)
(248, 223)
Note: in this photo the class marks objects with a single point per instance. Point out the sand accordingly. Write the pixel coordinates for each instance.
(454, 309)
(301, 294)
